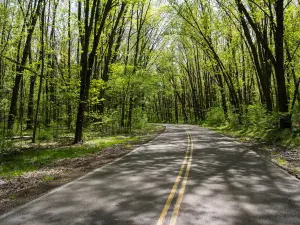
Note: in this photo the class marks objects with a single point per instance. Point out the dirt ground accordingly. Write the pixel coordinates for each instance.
(287, 159)
(29, 186)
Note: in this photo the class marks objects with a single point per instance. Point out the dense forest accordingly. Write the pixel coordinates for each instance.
(73, 65)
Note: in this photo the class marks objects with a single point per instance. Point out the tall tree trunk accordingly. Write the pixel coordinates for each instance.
(108, 57)
(283, 105)
(36, 122)
(30, 103)
(69, 104)
(176, 108)
(122, 123)
(88, 58)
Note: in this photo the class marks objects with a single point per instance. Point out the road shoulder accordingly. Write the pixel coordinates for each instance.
(32, 185)
(288, 159)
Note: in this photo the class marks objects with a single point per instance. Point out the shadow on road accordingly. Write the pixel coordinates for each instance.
(236, 186)
(228, 184)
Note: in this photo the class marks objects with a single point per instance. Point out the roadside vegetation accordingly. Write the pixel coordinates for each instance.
(259, 131)
(77, 77)
(234, 66)
(29, 170)
(24, 156)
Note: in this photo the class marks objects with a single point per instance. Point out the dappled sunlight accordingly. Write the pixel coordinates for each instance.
(228, 184)
(237, 187)
(134, 187)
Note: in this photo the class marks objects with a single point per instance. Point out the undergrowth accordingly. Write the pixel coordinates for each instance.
(15, 163)
(257, 124)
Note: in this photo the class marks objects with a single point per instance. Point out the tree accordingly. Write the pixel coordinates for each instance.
(31, 15)
(89, 25)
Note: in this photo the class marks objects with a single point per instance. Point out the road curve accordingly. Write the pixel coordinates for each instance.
(188, 176)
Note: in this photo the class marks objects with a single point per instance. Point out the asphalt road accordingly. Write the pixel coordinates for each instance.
(188, 176)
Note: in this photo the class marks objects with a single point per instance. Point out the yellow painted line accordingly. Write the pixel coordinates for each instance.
(173, 191)
(183, 186)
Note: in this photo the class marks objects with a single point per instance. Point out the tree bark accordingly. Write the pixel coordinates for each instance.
(36, 122)
(283, 105)
(88, 58)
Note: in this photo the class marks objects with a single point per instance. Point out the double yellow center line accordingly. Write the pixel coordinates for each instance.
(186, 165)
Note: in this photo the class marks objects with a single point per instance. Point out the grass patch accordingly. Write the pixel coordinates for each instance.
(288, 138)
(282, 162)
(48, 178)
(18, 162)
(13, 197)
(295, 171)
(279, 146)
(149, 129)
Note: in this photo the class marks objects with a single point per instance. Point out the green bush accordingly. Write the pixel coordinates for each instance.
(258, 116)
(139, 118)
(296, 116)
(215, 116)
(5, 146)
(45, 135)
(234, 120)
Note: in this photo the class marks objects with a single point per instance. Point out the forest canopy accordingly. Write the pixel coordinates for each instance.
(77, 64)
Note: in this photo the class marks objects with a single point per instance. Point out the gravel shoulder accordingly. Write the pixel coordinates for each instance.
(287, 159)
